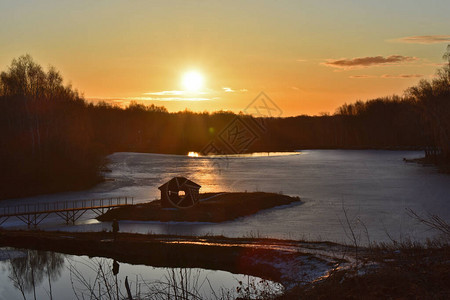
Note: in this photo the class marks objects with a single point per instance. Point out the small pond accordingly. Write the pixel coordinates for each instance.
(33, 274)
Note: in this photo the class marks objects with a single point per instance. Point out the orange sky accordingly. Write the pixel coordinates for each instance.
(309, 57)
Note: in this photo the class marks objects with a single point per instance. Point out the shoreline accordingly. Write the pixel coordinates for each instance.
(441, 165)
(284, 261)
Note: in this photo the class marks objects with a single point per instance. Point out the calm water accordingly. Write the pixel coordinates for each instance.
(374, 187)
(25, 273)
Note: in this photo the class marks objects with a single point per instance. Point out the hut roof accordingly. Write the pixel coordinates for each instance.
(181, 182)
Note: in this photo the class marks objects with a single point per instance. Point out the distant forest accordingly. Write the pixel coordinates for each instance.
(53, 140)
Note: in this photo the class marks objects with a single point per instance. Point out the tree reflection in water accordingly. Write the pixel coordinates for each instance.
(29, 271)
(101, 278)
(104, 282)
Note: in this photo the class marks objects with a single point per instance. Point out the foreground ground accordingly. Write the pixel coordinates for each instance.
(395, 271)
(311, 270)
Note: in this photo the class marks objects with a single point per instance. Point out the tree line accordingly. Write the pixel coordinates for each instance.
(54, 140)
(47, 142)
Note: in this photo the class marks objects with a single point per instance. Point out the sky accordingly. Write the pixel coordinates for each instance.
(308, 57)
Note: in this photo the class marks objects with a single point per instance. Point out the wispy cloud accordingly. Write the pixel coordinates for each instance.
(149, 98)
(362, 76)
(296, 89)
(166, 93)
(436, 64)
(400, 76)
(170, 96)
(228, 90)
(404, 76)
(365, 62)
(423, 39)
(179, 99)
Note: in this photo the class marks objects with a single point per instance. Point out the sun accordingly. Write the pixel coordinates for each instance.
(192, 81)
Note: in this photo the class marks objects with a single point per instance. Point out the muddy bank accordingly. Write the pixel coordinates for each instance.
(441, 164)
(213, 207)
(276, 260)
(395, 271)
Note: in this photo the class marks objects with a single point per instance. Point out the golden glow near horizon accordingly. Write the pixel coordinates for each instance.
(307, 56)
(193, 154)
(192, 81)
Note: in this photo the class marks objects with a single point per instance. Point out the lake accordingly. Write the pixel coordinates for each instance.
(372, 188)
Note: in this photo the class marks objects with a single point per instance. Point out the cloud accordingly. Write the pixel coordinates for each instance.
(296, 89)
(177, 99)
(436, 64)
(228, 90)
(124, 99)
(400, 76)
(165, 93)
(423, 39)
(361, 76)
(301, 60)
(365, 62)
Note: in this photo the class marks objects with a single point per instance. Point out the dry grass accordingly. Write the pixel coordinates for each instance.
(395, 270)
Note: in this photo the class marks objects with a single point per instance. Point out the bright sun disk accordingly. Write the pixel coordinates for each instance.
(192, 81)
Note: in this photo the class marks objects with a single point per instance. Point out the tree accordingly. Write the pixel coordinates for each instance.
(46, 131)
(433, 97)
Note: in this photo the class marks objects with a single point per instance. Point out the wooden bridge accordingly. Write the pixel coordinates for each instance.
(70, 211)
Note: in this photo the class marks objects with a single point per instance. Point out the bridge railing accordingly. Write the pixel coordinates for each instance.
(40, 207)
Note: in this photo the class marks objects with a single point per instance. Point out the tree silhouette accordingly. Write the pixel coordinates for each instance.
(433, 97)
(46, 132)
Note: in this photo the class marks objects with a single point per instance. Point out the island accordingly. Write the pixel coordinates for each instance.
(212, 207)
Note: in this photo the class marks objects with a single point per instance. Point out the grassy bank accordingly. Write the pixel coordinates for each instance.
(276, 260)
(213, 207)
(395, 271)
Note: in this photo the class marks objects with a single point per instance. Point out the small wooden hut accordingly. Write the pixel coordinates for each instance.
(179, 192)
